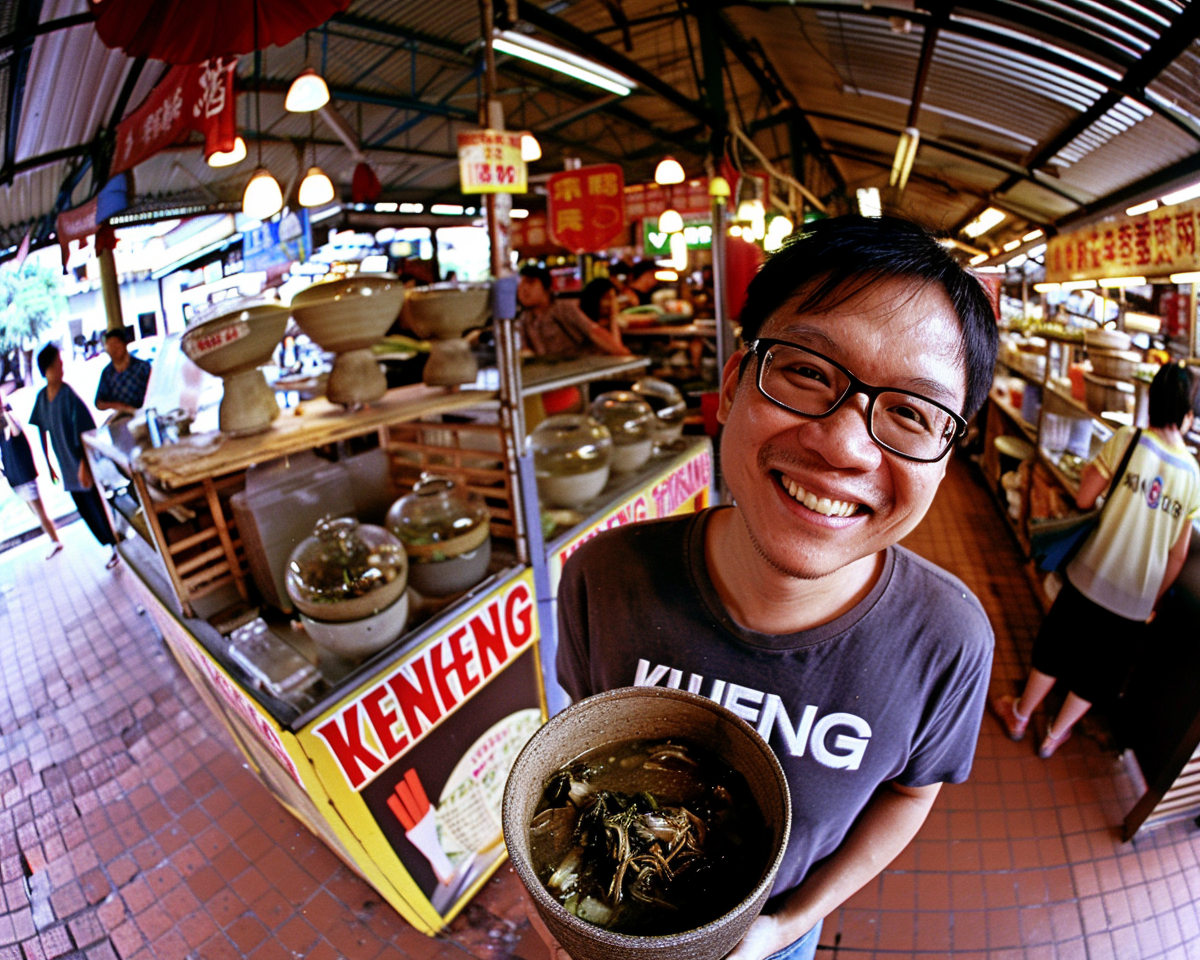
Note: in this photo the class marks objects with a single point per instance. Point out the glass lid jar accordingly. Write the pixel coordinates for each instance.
(439, 520)
(346, 570)
(626, 415)
(664, 399)
(570, 444)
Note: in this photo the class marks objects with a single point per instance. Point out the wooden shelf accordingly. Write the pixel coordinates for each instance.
(1014, 415)
(1083, 408)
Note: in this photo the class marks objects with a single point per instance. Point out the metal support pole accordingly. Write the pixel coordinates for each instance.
(110, 290)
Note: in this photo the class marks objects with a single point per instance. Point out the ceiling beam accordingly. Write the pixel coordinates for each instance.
(18, 68)
(600, 51)
(50, 26)
(928, 39)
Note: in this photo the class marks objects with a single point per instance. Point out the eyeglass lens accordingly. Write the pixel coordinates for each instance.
(812, 386)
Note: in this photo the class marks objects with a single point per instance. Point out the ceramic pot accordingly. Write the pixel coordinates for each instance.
(573, 489)
(445, 312)
(348, 317)
(355, 639)
(450, 364)
(233, 345)
(645, 713)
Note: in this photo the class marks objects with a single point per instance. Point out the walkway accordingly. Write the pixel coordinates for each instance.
(130, 827)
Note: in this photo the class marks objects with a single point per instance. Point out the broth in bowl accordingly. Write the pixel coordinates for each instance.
(648, 837)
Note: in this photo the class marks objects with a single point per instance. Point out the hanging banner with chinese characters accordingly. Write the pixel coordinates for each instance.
(1148, 245)
(586, 208)
(196, 97)
(651, 199)
(489, 161)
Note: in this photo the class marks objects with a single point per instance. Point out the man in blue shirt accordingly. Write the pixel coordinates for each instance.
(123, 382)
(60, 415)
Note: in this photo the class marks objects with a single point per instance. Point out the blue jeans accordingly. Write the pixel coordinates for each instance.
(803, 949)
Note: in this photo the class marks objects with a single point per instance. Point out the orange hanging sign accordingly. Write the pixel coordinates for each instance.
(586, 208)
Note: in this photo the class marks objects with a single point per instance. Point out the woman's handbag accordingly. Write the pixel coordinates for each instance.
(1053, 542)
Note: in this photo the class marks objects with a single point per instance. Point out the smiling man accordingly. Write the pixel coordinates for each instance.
(864, 666)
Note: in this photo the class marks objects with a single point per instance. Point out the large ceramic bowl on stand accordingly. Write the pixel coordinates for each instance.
(348, 317)
(233, 345)
(441, 314)
(349, 581)
(646, 713)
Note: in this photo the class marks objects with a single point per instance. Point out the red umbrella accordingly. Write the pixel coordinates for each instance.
(177, 32)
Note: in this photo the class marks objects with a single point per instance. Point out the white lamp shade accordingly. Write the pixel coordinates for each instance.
(263, 197)
(316, 188)
(749, 210)
(308, 92)
(679, 251)
(668, 171)
(670, 222)
(230, 157)
(530, 149)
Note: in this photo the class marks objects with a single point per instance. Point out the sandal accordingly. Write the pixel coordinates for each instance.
(1050, 742)
(55, 550)
(1005, 709)
(113, 561)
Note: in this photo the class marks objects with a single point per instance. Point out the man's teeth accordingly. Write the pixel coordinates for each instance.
(823, 505)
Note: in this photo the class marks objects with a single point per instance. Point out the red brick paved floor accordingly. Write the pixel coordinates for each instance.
(131, 828)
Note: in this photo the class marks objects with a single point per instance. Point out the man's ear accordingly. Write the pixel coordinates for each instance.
(730, 377)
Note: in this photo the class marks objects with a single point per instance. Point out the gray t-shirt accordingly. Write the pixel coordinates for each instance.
(892, 690)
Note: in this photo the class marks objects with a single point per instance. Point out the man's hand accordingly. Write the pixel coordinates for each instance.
(765, 937)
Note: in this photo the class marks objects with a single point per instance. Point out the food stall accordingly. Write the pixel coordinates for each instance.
(397, 757)
(1061, 390)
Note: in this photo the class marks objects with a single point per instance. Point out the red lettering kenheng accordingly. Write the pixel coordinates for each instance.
(369, 733)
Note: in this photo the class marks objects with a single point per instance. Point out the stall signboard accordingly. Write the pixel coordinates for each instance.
(650, 199)
(1149, 245)
(586, 208)
(198, 96)
(531, 233)
(489, 161)
(278, 243)
(697, 232)
(686, 488)
(415, 758)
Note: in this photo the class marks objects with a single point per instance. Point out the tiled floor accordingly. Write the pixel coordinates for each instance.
(130, 828)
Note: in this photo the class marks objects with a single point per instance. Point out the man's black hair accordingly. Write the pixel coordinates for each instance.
(119, 333)
(534, 272)
(833, 260)
(641, 268)
(1171, 396)
(46, 357)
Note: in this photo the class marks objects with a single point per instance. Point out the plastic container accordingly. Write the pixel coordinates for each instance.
(630, 421)
(571, 459)
(272, 664)
(281, 504)
(348, 581)
(370, 485)
(446, 532)
(1031, 403)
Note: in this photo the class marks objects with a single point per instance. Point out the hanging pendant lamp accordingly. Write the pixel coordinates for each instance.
(308, 92)
(262, 198)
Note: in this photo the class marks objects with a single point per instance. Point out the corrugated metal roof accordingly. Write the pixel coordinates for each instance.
(1007, 83)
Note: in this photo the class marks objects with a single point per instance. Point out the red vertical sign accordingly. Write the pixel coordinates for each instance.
(586, 208)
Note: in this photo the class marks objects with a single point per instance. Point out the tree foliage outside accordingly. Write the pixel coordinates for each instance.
(30, 304)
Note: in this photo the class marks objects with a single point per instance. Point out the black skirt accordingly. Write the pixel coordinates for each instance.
(1086, 647)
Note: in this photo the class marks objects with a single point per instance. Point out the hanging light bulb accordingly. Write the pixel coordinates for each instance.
(668, 171)
(316, 188)
(530, 149)
(308, 92)
(750, 211)
(718, 187)
(679, 252)
(228, 158)
(670, 221)
(263, 198)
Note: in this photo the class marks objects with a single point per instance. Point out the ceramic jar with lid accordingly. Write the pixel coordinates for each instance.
(572, 456)
(446, 532)
(630, 421)
(668, 405)
(348, 581)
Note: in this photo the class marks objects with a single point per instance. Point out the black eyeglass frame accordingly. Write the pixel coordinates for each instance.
(760, 347)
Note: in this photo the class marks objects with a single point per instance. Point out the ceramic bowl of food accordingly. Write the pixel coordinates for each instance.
(593, 767)
(348, 317)
(232, 345)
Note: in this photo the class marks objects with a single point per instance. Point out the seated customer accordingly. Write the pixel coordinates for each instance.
(558, 328)
(599, 304)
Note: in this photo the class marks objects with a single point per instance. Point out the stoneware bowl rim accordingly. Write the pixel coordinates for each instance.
(654, 942)
(324, 290)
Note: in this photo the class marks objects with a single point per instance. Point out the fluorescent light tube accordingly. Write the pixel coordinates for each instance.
(555, 58)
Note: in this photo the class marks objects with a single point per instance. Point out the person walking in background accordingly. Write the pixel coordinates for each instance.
(599, 304)
(1112, 586)
(123, 382)
(16, 459)
(59, 414)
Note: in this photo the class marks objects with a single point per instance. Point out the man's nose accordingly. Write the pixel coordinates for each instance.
(843, 438)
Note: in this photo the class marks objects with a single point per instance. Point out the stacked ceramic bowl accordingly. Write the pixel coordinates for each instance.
(441, 314)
